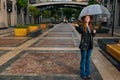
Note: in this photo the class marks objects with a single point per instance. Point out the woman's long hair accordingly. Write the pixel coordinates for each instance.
(84, 23)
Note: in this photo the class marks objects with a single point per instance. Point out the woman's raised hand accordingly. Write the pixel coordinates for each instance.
(75, 25)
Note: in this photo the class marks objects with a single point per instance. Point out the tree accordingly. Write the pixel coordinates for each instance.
(46, 13)
(22, 6)
(53, 12)
(68, 12)
(56, 16)
(22, 3)
(34, 11)
(77, 13)
(90, 2)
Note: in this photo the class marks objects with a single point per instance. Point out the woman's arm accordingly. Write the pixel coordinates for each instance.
(78, 28)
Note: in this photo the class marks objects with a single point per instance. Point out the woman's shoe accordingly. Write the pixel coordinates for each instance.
(89, 77)
(84, 78)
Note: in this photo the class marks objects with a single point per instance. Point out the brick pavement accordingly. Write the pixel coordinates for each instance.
(4, 31)
(53, 55)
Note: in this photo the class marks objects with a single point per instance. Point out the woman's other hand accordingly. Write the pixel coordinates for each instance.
(94, 31)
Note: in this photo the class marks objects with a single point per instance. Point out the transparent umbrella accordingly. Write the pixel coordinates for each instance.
(95, 10)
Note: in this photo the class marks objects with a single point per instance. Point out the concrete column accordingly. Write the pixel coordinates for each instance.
(14, 14)
(119, 14)
(116, 14)
(3, 14)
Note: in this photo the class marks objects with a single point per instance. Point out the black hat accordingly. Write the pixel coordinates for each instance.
(82, 18)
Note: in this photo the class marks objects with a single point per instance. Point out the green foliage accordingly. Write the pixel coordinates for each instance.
(76, 13)
(90, 2)
(56, 16)
(22, 3)
(68, 12)
(53, 12)
(95, 24)
(34, 11)
(22, 26)
(33, 25)
(46, 14)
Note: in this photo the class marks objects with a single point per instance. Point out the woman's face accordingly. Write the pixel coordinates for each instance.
(87, 19)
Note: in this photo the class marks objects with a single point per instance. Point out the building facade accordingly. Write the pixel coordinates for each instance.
(114, 8)
(80, 0)
(8, 13)
(117, 13)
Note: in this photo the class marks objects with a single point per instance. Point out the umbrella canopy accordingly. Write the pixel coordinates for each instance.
(95, 9)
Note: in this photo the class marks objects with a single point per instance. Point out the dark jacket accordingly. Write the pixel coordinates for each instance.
(86, 38)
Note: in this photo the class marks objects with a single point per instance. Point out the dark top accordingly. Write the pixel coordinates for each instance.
(86, 38)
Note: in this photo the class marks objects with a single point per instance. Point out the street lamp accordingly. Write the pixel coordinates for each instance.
(41, 18)
(9, 10)
(30, 18)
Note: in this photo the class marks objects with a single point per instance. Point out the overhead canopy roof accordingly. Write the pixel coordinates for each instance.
(60, 3)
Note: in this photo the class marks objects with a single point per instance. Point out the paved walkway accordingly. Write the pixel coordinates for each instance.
(53, 55)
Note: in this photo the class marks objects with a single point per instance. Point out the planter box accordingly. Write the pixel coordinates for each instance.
(43, 26)
(114, 51)
(119, 41)
(21, 32)
(103, 42)
(50, 26)
(102, 30)
(35, 33)
(33, 28)
(96, 27)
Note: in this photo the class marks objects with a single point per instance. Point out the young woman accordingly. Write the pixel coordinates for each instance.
(86, 45)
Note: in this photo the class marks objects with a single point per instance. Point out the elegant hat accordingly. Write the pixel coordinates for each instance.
(82, 18)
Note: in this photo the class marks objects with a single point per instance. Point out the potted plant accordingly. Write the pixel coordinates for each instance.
(33, 27)
(21, 31)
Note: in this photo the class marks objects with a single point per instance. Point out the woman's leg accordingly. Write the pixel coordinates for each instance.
(87, 65)
(82, 63)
